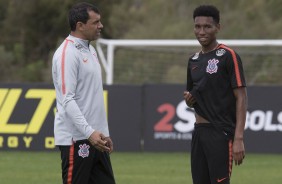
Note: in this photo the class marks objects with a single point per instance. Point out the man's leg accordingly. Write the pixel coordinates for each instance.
(218, 148)
(77, 162)
(102, 172)
(199, 164)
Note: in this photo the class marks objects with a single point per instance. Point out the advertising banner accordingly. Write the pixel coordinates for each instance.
(125, 116)
(141, 118)
(27, 116)
(169, 122)
(263, 130)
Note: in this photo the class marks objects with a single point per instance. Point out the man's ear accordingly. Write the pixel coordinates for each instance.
(218, 27)
(79, 26)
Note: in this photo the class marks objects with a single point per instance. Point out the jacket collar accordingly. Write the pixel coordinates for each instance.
(84, 43)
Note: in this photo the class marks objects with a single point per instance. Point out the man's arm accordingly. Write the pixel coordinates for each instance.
(100, 142)
(69, 82)
(241, 110)
(189, 99)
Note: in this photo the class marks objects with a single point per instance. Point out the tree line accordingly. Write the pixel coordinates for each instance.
(32, 29)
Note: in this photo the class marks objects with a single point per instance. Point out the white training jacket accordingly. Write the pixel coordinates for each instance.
(78, 83)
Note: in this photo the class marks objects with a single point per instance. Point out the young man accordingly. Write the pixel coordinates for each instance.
(216, 89)
(81, 127)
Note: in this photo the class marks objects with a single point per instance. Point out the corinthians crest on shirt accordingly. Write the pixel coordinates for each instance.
(212, 66)
(84, 150)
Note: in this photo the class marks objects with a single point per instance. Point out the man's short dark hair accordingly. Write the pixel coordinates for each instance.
(207, 11)
(79, 13)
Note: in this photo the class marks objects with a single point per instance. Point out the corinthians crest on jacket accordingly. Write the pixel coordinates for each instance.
(212, 66)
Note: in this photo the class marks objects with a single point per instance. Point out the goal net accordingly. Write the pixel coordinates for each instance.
(165, 61)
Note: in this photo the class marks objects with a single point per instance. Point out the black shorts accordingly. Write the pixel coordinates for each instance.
(82, 163)
(211, 155)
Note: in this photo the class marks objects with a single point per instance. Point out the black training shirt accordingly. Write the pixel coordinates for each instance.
(211, 78)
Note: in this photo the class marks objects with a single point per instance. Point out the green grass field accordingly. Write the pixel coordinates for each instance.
(135, 168)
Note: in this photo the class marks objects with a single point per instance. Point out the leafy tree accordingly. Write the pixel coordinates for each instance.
(32, 29)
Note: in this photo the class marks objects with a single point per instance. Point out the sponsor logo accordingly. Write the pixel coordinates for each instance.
(79, 47)
(34, 106)
(23, 113)
(95, 54)
(9, 99)
(95, 57)
(85, 60)
(212, 66)
(196, 56)
(194, 67)
(83, 151)
(259, 120)
(221, 180)
(176, 123)
(220, 52)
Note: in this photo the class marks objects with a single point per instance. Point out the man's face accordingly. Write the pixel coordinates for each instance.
(205, 30)
(92, 29)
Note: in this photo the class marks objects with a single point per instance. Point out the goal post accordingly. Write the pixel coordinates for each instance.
(106, 48)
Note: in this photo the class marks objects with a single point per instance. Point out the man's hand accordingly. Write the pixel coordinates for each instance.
(189, 99)
(238, 151)
(97, 139)
(109, 144)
